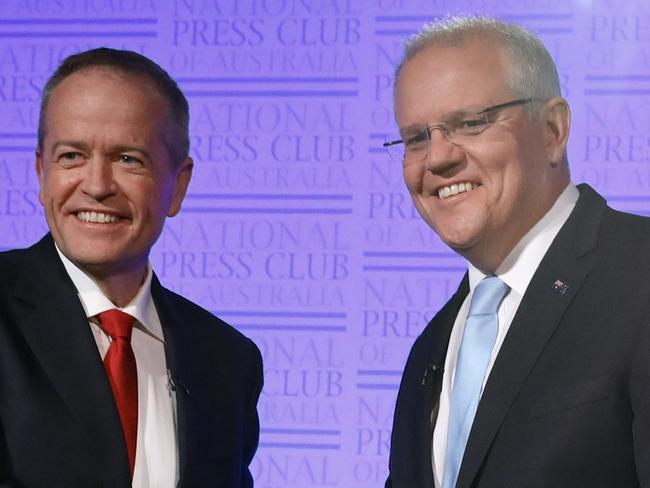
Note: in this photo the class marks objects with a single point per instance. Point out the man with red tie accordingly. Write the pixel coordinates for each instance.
(106, 377)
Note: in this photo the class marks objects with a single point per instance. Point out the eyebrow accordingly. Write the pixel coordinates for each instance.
(70, 143)
(121, 148)
(455, 114)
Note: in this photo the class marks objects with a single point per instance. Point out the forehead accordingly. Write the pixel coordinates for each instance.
(100, 96)
(105, 85)
(441, 79)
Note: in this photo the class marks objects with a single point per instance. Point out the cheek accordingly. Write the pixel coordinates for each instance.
(413, 178)
(141, 190)
(152, 206)
(54, 189)
(513, 179)
(501, 173)
(509, 199)
(42, 197)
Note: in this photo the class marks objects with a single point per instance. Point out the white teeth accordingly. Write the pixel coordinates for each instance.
(455, 189)
(96, 217)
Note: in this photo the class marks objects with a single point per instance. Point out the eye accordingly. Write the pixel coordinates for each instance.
(69, 158)
(128, 160)
(416, 141)
(472, 125)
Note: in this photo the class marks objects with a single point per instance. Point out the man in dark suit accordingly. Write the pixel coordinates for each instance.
(536, 373)
(106, 377)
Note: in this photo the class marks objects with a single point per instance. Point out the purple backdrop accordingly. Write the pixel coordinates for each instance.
(297, 228)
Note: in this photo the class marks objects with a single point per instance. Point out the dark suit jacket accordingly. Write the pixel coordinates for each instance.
(567, 403)
(59, 426)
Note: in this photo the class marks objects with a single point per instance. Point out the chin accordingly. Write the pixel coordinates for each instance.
(90, 255)
(460, 231)
(461, 244)
(459, 247)
(457, 238)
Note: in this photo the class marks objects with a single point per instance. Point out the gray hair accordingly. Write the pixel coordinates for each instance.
(532, 72)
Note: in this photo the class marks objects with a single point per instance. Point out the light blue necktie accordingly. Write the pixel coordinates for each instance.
(479, 337)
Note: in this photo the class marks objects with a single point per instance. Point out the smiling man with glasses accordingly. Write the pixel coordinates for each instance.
(536, 373)
(416, 142)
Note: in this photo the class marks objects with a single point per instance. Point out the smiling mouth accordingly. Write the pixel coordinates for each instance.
(96, 217)
(455, 189)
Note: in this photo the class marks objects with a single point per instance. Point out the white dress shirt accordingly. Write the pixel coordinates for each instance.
(156, 459)
(516, 271)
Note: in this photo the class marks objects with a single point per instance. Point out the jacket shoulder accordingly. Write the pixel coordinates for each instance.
(13, 263)
(206, 323)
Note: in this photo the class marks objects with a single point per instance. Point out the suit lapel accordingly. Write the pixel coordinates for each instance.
(174, 347)
(440, 344)
(429, 386)
(54, 325)
(552, 289)
(188, 365)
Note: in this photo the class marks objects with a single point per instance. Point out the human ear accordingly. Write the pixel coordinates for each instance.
(556, 120)
(181, 182)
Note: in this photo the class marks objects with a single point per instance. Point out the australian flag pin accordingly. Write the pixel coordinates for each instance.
(560, 286)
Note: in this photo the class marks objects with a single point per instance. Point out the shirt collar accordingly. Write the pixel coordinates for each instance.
(518, 268)
(93, 300)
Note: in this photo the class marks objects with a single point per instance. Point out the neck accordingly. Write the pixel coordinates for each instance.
(488, 262)
(489, 254)
(120, 287)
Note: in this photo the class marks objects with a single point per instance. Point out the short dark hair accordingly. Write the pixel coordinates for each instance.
(128, 62)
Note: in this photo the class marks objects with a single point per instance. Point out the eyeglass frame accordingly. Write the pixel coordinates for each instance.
(443, 127)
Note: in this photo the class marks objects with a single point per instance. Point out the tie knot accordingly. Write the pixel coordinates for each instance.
(116, 323)
(488, 296)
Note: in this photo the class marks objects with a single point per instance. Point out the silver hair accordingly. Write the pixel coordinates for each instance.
(532, 72)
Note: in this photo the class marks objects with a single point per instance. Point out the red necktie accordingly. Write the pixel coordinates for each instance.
(121, 369)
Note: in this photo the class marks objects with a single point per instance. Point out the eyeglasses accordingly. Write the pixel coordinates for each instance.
(456, 130)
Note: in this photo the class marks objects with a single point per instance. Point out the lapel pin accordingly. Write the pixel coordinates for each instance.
(560, 286)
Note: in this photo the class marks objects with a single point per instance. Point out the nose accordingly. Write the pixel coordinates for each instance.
(98, 182)
(442, 155)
